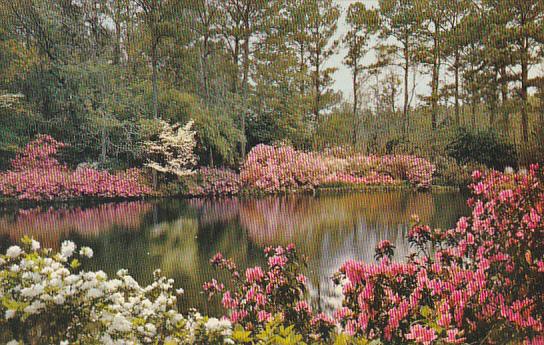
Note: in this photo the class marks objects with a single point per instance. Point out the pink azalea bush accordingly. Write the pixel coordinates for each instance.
(275, 169)
(37, 175)
(482, 280)
(259, 295)
(216, 182)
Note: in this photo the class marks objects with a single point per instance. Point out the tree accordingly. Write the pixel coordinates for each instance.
(455, 33)
(155, 18)
(433, 28)
(401, 21)
(173, 151)
(323, 19)
(362, 23)
(519, 23)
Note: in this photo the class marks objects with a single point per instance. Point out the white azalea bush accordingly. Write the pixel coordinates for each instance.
(44, 296)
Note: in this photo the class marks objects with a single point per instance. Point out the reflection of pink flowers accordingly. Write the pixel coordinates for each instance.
(37, 175)
(50, 225)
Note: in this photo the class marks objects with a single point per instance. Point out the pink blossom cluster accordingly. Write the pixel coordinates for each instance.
(37, 175)
(417, 171)
(216, 182)
(372, 179)
(259, 295)
(482, 280)
(275, 169)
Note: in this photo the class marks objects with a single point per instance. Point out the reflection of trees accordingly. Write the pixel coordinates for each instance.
(185, 245)
(302, 218)
(51, 225)
(333, 229)
(180, 236)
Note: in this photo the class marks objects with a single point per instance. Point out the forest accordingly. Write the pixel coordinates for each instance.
(451, 81)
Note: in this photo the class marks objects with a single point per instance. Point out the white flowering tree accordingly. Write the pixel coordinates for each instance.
(173, 151)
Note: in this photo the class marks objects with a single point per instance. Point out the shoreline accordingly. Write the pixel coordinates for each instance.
(243, 194)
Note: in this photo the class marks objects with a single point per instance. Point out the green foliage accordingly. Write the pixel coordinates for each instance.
(484, 147)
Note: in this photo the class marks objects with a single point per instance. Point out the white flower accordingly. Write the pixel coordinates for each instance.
(180, 291)
(86, 251)
(15, 268)
(67, 249)
(59, 299)
(64, 342)
(14, 251)
(32, 291)
(34, 307)
(10, 313)
(151, 328)
(12, 342)
(94, 293)
(120, 324)
(35, 245)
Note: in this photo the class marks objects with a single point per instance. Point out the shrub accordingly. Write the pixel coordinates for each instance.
(45, 297)
(215, 182)
(260, 295)
(275, 169)
(451, 173)
(37, 175)
(481, 280)
(484, 147)
(417, 171)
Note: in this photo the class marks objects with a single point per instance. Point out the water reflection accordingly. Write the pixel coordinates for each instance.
(179, 236)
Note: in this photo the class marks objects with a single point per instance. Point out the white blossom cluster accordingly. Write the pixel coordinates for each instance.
(173, 153)
(40, 293)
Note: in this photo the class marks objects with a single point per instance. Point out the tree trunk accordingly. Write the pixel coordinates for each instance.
(524, 86)
(317, 85)
(117, 52)
(435, 78)
(355, 101)
(154, 81)
(245, 86)
(456, 68)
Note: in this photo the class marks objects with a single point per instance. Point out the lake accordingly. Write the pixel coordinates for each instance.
(180, 236)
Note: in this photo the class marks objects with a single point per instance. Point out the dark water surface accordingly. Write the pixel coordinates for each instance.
(179, 236)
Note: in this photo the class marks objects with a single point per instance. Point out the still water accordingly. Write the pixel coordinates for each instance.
(180, 236)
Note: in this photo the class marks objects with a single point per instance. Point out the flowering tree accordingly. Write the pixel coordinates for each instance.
(173, 152)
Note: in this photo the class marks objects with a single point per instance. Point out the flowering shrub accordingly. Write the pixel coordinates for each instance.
(482, 281)
(37, 175)
(173, 151)
(418, 171)
(46, 299)
(275, 169)
(44, 296)
(258, 296)
(216, 182)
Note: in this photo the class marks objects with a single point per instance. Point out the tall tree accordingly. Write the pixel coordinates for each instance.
(155, 18)
(520, 24)
(362, 23)
(401, 22)
(323, 15)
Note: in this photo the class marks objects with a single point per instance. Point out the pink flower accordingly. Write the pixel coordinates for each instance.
(255, 274)
(421, 335)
